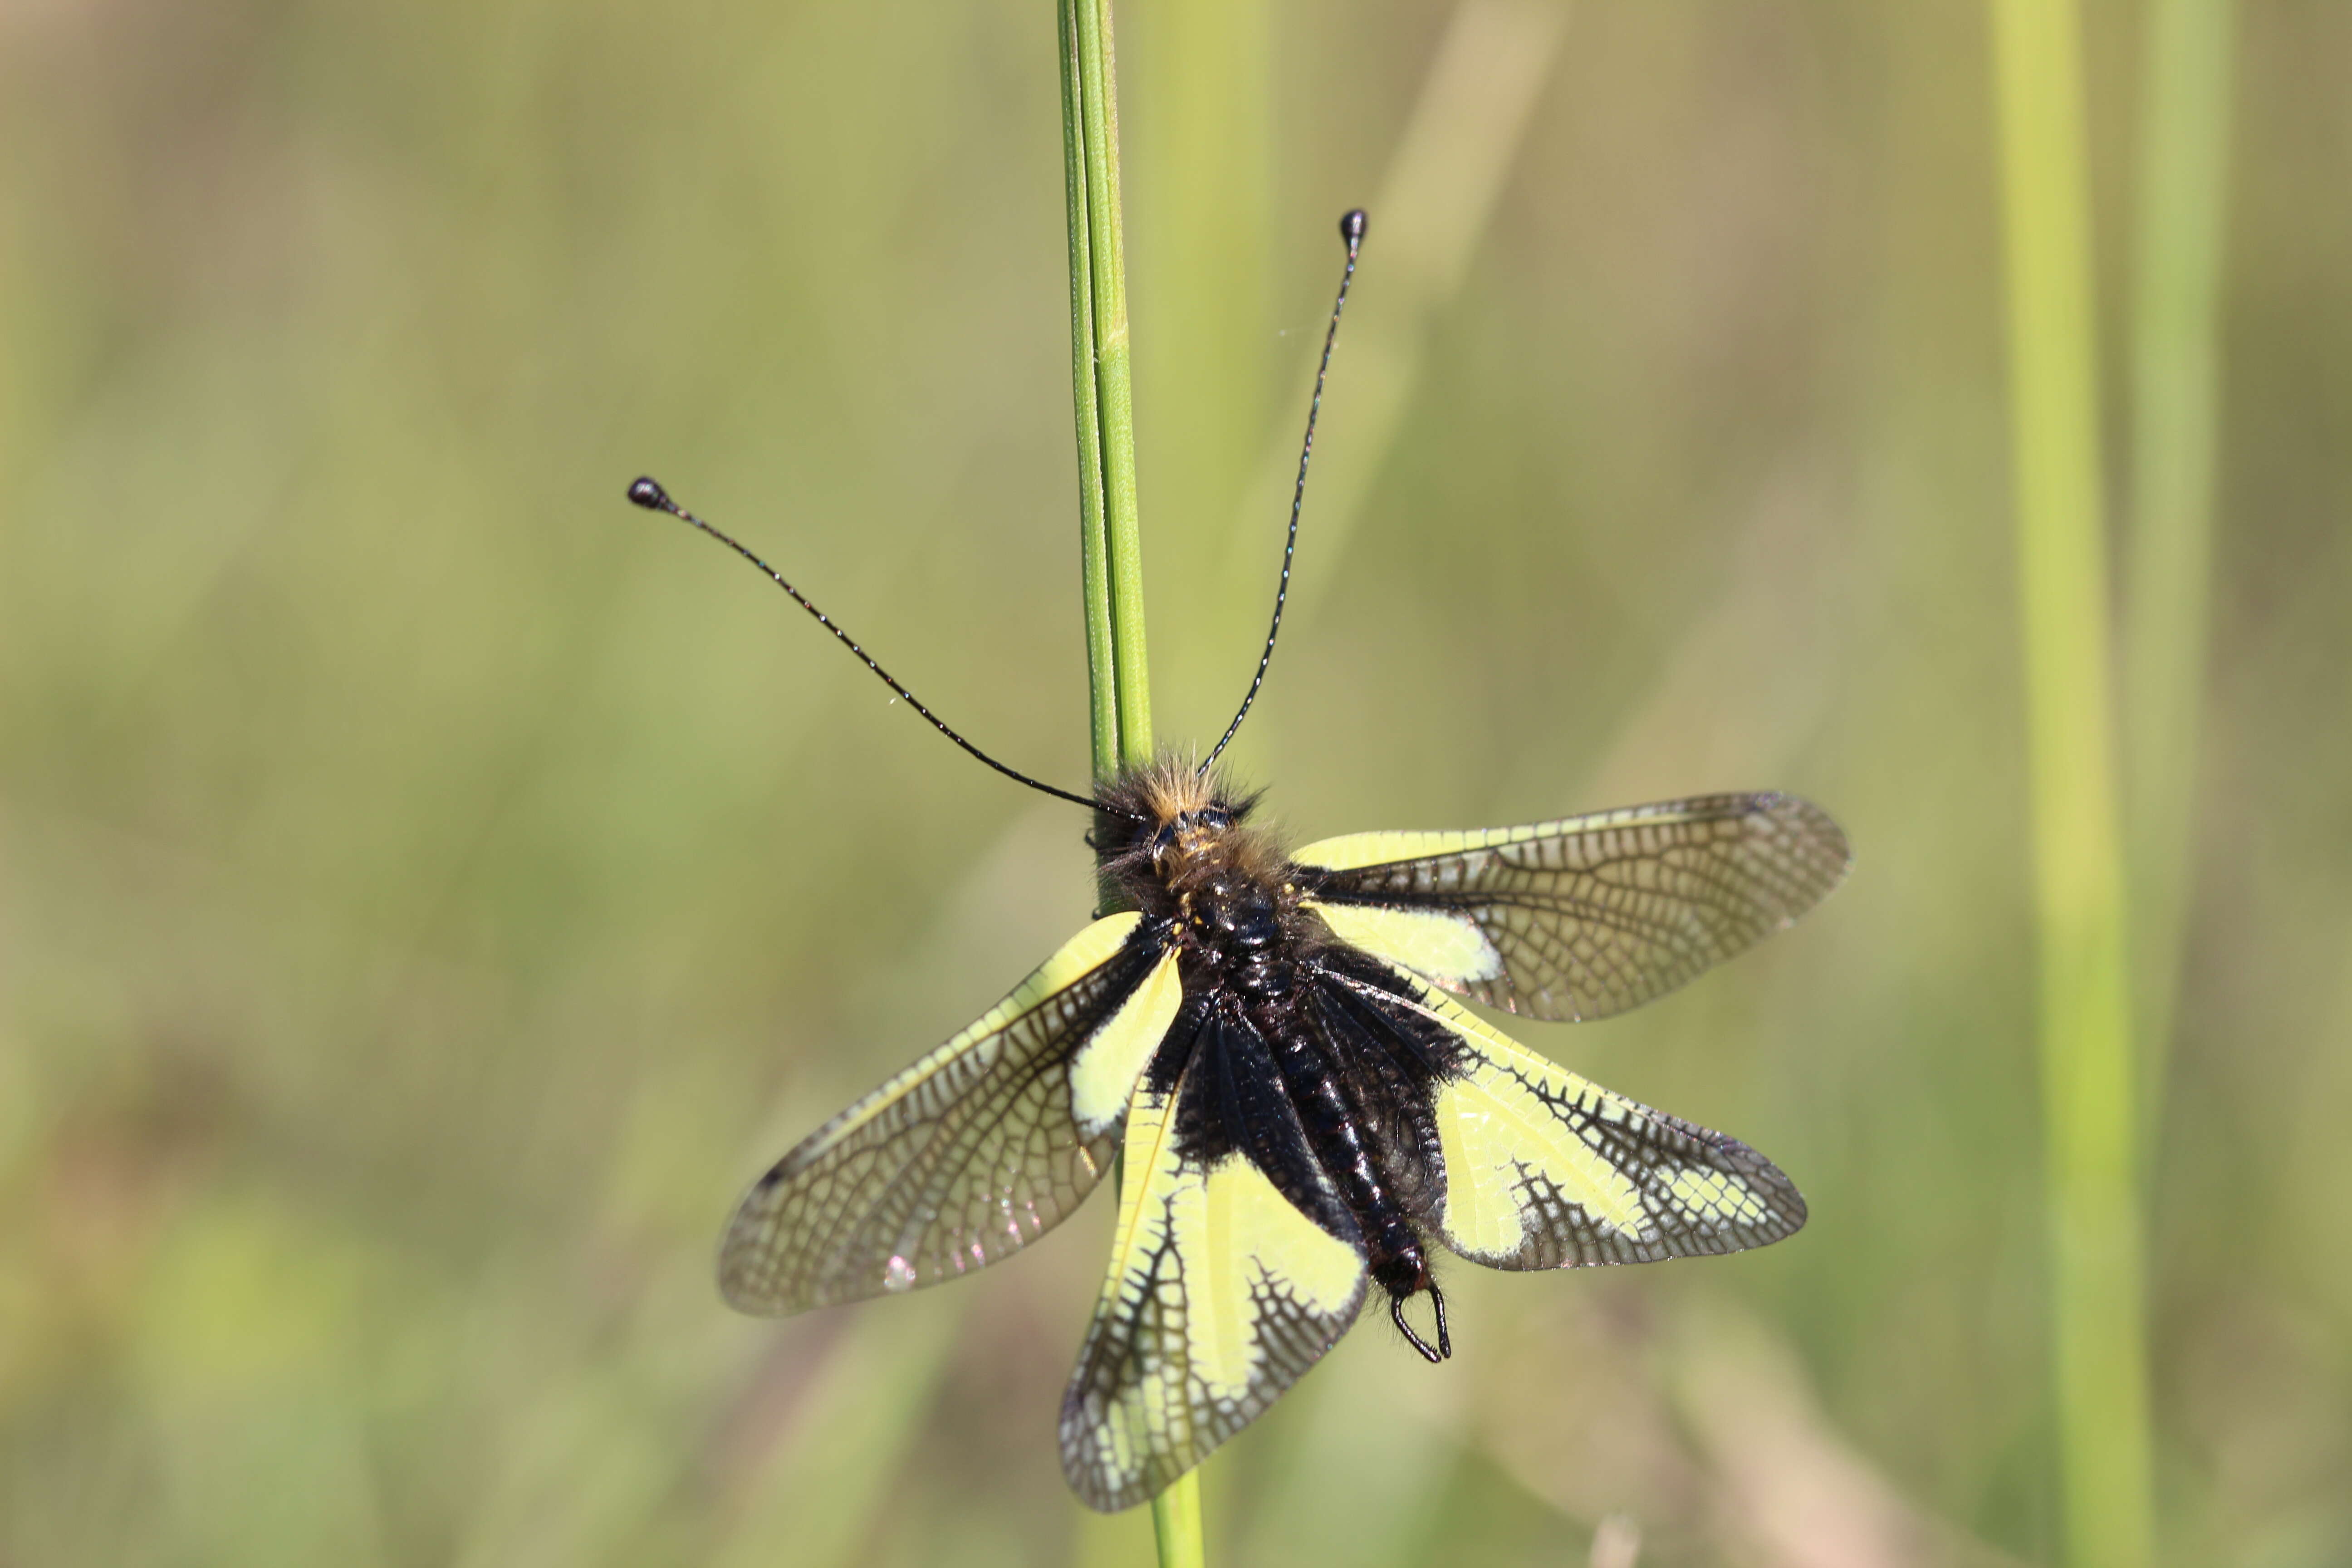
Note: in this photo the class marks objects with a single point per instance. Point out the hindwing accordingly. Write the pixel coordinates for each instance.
(1543, 1168)
(1582, 917)
(1221, 1293)
(973, 1151)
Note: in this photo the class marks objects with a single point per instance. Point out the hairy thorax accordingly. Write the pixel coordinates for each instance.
(1186, 852)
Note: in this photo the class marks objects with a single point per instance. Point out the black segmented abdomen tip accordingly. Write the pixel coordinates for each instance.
(648, 494)
(1352, 223)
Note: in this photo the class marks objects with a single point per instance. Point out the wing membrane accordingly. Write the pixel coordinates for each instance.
(1547, 1170)
(1221, 1293)
(1584, 917)
(971, 1153)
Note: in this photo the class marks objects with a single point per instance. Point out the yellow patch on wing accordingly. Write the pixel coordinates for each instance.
(1497, 1133)
(1352, 852)
(1220, 1293)
(1241, 1240)
(1590, 915)
(1073, 957)
(1076, 958)
(1718, 1197)
(968, 1154)
(1446, 946)
(1545, 1169)
(1103, 1072)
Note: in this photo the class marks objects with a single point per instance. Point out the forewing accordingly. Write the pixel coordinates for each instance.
(1584, 917)
(1545, 1170)
(972, 1153)
(1221, 1294)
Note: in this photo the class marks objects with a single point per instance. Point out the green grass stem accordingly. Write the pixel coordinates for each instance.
(1176, 1523)
(2176, 350)
(2089, 1096)
(1094, 538)
(1102, 379)
(1111, 551)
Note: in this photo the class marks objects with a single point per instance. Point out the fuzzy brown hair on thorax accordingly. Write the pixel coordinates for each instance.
(1167, 828)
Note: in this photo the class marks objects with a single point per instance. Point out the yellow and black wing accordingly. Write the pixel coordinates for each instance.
(1584, 917)
(1543, 1168)
(1221, 1292)
(973, 1151)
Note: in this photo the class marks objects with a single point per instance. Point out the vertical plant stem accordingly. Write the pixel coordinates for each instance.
(2090, 1097)
(1111, 550)
(2176, 340)
(1089, 87)
(1176, 1522)
(1094, 538)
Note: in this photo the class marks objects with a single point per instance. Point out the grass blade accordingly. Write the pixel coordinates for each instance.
(1112, 570)
(2090, 1097)
(2176, 344)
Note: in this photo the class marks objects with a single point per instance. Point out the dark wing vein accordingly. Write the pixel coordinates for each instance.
(1592, 915)
(1544, 1169)
(966, 1156)
(1221, 1293)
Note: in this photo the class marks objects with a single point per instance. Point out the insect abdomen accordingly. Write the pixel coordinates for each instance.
(1342, 1142)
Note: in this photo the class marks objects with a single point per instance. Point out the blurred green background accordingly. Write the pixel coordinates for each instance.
(430, 889)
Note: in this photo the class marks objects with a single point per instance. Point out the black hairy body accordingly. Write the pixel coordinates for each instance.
(1295, 1050)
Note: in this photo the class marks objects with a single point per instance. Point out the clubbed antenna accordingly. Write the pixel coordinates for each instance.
(1351, 229)
(649, 494)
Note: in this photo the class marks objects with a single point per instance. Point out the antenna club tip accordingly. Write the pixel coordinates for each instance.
(646, 492)
(1352, 223)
